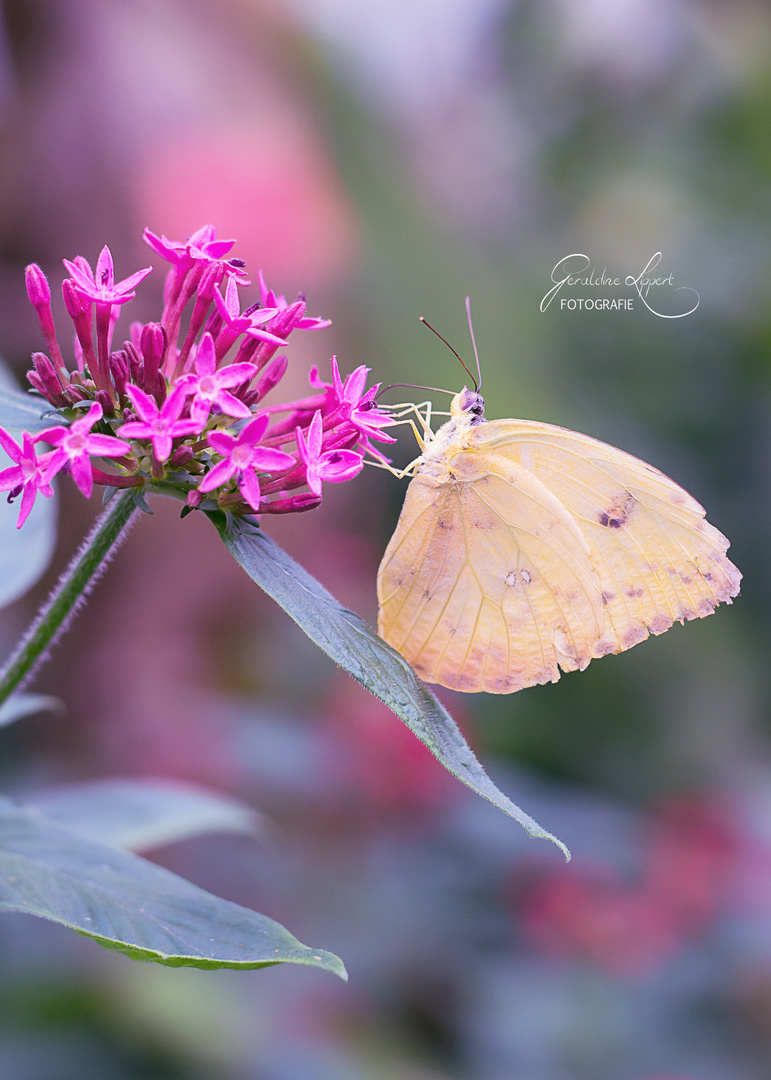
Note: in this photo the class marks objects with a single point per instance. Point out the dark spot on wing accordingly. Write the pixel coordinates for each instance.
(608, 596)
(619, 511)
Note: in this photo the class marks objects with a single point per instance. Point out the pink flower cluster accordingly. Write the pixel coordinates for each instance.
(179, 405)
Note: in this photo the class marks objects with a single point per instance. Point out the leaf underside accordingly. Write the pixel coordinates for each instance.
(126, 903)
(380, 669)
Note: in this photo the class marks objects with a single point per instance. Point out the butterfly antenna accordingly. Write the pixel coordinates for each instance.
(455, 354)
(415, 386)
(474, 343)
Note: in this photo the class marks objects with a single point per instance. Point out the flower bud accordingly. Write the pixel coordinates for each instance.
(37, 286)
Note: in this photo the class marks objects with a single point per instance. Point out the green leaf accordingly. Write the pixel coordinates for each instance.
(26, 552)
(27, 705)
(345, 638)
(125, 903)
(139, 814)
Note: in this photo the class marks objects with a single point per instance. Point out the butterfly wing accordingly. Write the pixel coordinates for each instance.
(658, 559)
(488, 583)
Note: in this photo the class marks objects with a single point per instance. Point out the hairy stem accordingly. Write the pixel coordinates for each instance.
(74, 586)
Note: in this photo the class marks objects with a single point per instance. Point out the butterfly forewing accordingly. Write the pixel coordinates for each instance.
(488, 583)
(658, 559)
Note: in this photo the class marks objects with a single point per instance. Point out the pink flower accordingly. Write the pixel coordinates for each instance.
(250, 321)
(76, 445)
(301, 321)
(242, 456)
(159, 425)
(358, 407)
(334, 466)
(28, 476)
(208, 386)
(100, 285)
(202, 244)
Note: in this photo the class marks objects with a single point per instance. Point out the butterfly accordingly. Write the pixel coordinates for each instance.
(524, 549)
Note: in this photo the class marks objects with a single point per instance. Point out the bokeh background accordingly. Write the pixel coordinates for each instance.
(387, 159)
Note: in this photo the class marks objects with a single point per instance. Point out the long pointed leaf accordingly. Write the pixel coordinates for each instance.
(347, 640)
(123, 902)
(141, 813)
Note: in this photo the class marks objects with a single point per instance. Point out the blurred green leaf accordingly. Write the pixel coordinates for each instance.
(22, 412)
(139, 814)
(344, 637)
(125, 903)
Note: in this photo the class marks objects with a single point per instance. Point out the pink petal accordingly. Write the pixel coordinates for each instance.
(231, 405)
(266, 459)
(106, 446)
(55, 462)
(27, 502)
(136, 429)
(206, 358)
(340, 465)
(229, 307)
(175, 402)
(132, 280)
(11, 447)
(354, 385)
(217, 476)
(178, 428)
(249, 486)
(80, 468)
(53, 436)
(315, 432)
(255, 429)
(221, 442)
(104, 275)
(234, 374)
(87, 421)
(146, 407)
(161, 445)
(11, 478)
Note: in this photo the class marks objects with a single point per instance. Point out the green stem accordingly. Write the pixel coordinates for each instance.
(77, 581)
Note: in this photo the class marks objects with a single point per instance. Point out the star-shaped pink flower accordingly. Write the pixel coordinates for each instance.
(251, 320)
(202, 245)
(75, 446)
(28, 476)
(269, 299)
(208, 385)
(159, 425)
(99, 285)
(335, 466)
(242, 458)
(359, 407)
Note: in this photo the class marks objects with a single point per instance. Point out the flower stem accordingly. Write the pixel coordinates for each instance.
(75, 584)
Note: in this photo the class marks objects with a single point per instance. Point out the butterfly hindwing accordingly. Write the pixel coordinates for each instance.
(488, 582)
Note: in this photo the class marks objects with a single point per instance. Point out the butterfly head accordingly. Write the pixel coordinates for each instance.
(468, 405)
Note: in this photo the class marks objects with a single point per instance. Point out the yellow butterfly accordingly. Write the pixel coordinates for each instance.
(524, 548)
